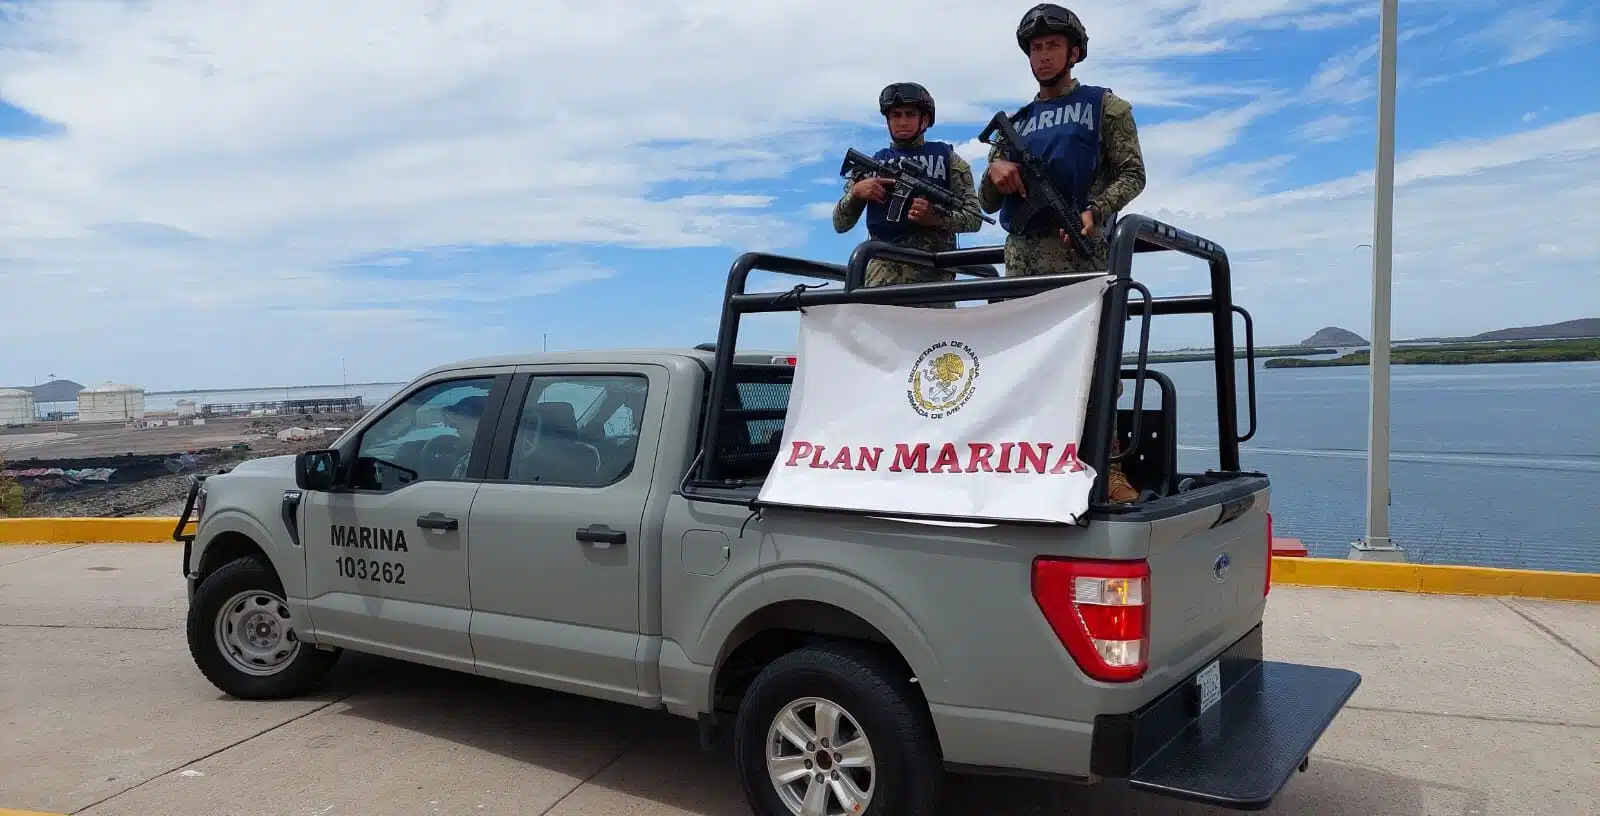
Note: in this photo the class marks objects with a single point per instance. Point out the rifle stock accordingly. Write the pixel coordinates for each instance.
(1042, 193)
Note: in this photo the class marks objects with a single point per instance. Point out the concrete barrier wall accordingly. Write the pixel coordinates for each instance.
(1442, 579)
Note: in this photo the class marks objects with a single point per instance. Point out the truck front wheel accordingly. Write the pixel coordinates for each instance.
(242, 638)
(836, 729)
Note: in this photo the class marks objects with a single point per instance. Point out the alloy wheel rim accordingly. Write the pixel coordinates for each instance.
(819, 759)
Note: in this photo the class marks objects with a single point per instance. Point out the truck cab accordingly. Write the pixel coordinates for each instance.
(593, 522)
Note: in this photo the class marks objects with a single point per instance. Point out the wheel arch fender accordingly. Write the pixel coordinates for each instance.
(223, 531)
(741, 614)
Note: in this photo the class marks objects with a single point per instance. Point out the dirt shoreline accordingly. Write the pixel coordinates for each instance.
(203, 450)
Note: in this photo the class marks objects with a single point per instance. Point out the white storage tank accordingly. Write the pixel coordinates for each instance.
(188, 408)
(17, 407)
(110, 402)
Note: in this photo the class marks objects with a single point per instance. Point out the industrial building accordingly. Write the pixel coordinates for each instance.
(110, 402)
(17, 407)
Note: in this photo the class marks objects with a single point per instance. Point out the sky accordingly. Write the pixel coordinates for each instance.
(226, 193)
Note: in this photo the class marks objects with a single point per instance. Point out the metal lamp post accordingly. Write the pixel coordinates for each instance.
(1376, 545)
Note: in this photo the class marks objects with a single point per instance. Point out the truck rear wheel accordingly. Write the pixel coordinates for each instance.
(242, 639)
(836, 729)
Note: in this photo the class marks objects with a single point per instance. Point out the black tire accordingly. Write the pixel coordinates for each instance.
(908, 769)
(296, 677)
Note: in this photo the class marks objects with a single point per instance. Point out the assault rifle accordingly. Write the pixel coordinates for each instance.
(1042, 194)
(908, 184)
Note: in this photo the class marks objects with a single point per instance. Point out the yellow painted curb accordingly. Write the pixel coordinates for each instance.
(1440, 579)
(135, 530)
(9, 811)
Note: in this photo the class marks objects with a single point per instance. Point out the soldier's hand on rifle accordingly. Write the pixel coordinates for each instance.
(1087, 217)
(923, 213)
(1005, 177)
(872, 189)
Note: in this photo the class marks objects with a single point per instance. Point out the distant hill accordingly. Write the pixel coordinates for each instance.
(53, 391)
(1583, 328)
(1567, 329)
(1334, 336)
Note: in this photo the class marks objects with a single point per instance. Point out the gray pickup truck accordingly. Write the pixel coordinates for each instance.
(590, 522)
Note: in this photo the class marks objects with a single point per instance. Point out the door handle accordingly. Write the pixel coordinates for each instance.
(602, 535)
(437, 521)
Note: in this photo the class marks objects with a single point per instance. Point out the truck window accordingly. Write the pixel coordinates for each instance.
(752, 423)
(621, 423)
(577, 430)
(764, 396)
(582, 396)
(428, 435)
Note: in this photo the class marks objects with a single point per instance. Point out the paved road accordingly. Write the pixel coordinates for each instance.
(1469, 706)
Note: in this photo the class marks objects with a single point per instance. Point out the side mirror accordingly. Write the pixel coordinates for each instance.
(314, 470)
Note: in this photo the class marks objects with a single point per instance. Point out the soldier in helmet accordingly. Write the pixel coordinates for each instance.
(908, 110)
(1087, 138)
(1088, 141)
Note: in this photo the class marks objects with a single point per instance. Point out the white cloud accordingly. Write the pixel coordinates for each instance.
(1346, 78)
(1529, 31)
(1187, 141)
(1331, 128)
(820, 209)
(973, 150)
(1338, 78)
(1274, 13)
(224, 164)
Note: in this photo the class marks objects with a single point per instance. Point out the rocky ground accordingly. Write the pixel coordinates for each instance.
(161, 496)
(164, 495)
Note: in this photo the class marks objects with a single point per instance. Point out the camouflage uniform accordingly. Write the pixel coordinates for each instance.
(933, 239)
(1119, 180)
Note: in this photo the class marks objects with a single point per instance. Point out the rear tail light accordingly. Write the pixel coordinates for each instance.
(1267, 589)
(1100, 611)
(785, 360)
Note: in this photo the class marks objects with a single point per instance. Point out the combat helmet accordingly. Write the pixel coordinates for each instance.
(906, 93)
(1049, 18)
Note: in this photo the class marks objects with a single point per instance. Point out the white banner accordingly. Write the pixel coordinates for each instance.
(973, 413)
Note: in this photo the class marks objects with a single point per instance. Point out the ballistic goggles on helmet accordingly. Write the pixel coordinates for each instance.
(1048, 18)
(906, 93)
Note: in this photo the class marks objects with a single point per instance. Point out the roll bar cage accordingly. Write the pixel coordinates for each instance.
(1131, 234)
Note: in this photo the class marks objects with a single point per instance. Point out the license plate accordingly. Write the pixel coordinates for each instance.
(1208, 685)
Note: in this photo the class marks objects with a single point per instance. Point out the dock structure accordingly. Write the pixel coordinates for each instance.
(316, 405)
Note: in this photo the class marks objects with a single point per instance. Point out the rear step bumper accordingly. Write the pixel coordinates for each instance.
(1246, 745)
